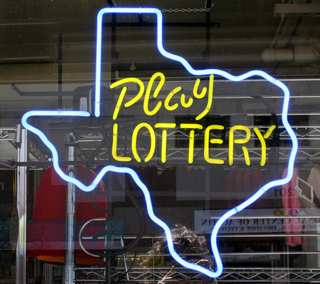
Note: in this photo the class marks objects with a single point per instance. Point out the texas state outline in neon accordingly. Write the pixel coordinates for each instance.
(132, 173)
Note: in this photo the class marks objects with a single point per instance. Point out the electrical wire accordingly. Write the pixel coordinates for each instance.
(128, 270)
(129, 246)
(128, 192)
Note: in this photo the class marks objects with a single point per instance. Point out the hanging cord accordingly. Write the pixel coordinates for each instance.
(176, 10)
(187, 10)
(86, 175)
(111, 3)
(190, 10)
(275, 142)
(128, 270)
(133, 199)
(105, 141)
(275, 137)
(133, 243)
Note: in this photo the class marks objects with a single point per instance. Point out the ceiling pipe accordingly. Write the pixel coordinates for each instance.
(305, 53)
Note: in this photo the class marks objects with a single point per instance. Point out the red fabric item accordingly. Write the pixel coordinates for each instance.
(240, 181)
(230, 187)
(259, 181)
(248, 180)
(46, 232)
(292, 205)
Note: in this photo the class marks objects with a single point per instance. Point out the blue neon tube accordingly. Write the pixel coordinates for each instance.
(132, 173)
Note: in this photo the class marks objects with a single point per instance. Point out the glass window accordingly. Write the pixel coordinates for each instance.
(159, 141)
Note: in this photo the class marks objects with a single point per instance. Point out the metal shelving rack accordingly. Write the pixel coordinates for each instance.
(87, 142)
(16, 151)
(230, 275)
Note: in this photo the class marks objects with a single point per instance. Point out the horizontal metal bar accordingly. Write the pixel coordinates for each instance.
(268, 217)
(165, 24)
(81, 280)
(297, 9)
(232, 254)
(44, 94)
(268, 236)
(235, 236)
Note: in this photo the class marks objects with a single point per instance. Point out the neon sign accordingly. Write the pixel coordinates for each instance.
(191, 127)
(170, 107)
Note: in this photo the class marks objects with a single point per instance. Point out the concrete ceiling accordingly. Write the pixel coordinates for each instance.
(236, 35)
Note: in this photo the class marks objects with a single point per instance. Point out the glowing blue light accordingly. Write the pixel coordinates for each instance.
(132, 173)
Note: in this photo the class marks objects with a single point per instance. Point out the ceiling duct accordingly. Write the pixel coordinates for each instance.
(305, 53)
(297, 9)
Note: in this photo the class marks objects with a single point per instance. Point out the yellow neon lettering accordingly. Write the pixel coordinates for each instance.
(246, 155)
(164, 139)
(119, 103)
(210, 96)
(263, 142)
(184, 103)
(115, 146)
(233, 141)
(123, 92)
(268, 133)
(263, 146)
(152, 142)
(191, 126)
(191, 138)
(155, 94)
(213, 141)
(169, 97)
(195, 90)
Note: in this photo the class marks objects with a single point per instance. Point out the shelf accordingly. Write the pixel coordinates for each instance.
(229, 275)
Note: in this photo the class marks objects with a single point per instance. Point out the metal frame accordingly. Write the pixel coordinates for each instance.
(70, 218)
(21, 253)
(154, 274)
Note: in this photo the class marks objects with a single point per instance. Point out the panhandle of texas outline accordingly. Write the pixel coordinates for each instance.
(126, 170)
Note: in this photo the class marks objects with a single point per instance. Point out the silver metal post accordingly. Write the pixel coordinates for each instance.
(70, 219)
(21, 264)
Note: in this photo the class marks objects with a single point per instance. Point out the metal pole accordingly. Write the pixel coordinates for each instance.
(70, 218)
(60, 72)
(21, 265)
